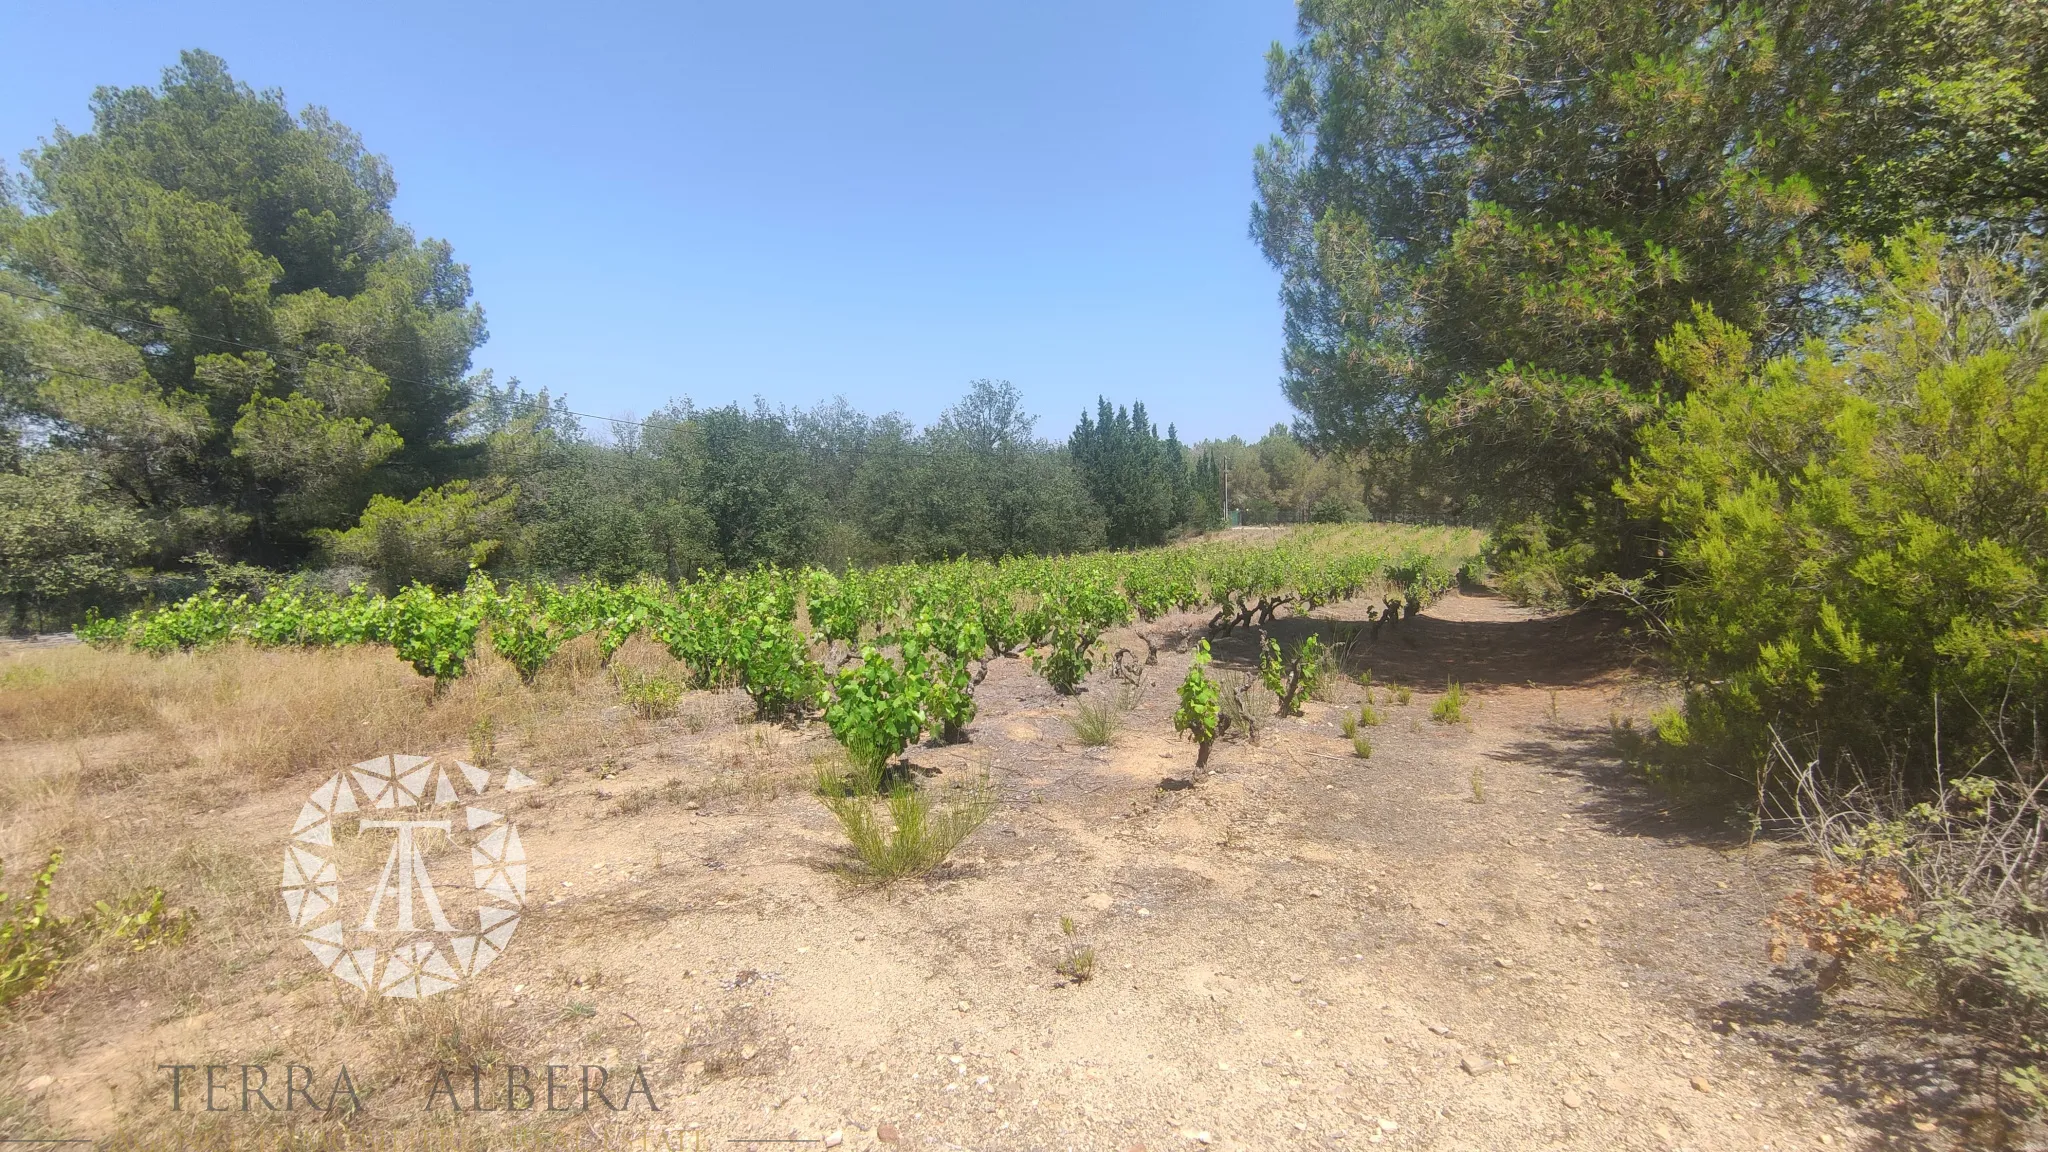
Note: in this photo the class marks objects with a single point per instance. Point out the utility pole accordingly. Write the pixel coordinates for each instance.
(1226, 495)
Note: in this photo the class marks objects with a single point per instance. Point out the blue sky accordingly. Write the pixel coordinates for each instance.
(795, 200)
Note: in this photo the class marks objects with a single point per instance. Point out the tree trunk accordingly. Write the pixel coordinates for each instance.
(1202, 754)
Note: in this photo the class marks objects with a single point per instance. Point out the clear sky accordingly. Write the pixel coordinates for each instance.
(793, 200)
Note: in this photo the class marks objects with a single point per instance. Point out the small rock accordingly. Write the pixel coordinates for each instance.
(1294, 978)
(860, 936)
(1315, 893)
(886, 1133)
(1144, 911)
(1700, 1084)
(1476, 1066)
(1100, 901)
(963, 1005)
(747, 1051)
(835, 1139)
(1572, 1101)
(1439, 1029)
(1387, 1125)
(40, 1083)
(1504, 962)
(1923, 1124)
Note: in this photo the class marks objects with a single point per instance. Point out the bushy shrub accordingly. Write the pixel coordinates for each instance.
(436, 538)
(1534, 570)
(1858, 533)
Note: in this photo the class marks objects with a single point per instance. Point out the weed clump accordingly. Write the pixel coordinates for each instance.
(1077, 960)
(1450, 707)
(918, 835)
(654, 697)
(1096, 724)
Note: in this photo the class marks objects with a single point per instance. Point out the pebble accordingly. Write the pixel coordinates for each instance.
(1197, 1135)
(1100, 901)
(963, 1005)
(835, 1139)
(1475, 1066)
(748, 1051)
(1439, 1029)
(1572, 1101)
(860, 936)
(886, 1133)
(1294, 978)
(1387, 1125)
(1700, 1084)
(1504, 962)
(40, 1083)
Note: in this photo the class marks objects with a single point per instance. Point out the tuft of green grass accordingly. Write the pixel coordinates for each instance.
(1077, 963)
(1401, 694)
(1096, 724)
(919, 834)
(1361, 747)
(1478, 785)
(1450, 707)
(654, 697)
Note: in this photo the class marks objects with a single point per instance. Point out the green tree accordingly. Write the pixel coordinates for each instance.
(757, 487)
(64, 544)
(212, 302)
(1129, 472)
(1488, 215)
(978, 482)
(1858, 532)
(436, 538)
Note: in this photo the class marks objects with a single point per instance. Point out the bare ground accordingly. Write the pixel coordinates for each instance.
(1488, 935)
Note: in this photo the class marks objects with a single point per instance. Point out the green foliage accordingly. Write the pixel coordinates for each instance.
(919, 834)
(1489, 219)
(64, 542)
(654, 697)
(1199, 711)
(1138, 480)
(32, 940)
(1450, 707)
(138, 920)
(526, 629)
(1293, 676)
(1858, 533)
(436, 634)
(436, 538)
(1536, 569)
(230, 332)
(875, 710)
(1068, 657)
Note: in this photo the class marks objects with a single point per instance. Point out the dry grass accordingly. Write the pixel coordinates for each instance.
(137, 767)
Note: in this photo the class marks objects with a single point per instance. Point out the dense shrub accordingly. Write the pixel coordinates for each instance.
(1858, 533)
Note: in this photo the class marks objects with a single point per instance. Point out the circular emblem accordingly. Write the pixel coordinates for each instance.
(402, 819)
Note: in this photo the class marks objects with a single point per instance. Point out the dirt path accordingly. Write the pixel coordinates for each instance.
(1301, 950)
